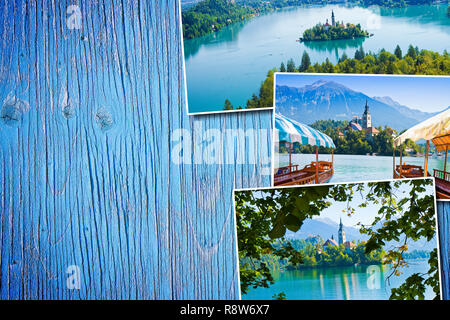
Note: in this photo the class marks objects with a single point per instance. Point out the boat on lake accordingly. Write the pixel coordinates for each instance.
(288, 131)
(437, 130)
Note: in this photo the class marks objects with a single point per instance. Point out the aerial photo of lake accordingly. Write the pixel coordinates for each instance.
(234, 61)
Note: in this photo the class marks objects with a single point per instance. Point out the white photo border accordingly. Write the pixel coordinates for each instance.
(185, 80)
(334, 184)
(332, 74)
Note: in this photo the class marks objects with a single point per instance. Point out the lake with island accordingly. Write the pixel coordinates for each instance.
(353, 168)
(339, 283)
(232, 63)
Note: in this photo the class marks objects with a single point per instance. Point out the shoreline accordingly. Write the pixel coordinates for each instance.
(344, 5)
(347, 266)
(350, 154)
(319, 40)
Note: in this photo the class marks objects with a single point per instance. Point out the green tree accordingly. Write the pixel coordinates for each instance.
(266, 91)
(228, 105)
(291, 65)
(425, 62)
(210, 16)
(360, 54)
(253, 102)
(412, 53)
(306, 62)
(279, 296)
(398, 52)
(343, 58)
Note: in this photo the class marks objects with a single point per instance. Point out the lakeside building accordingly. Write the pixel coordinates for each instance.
(349, 245)
(330, 242)
(334, 23)
(364, 123)
(341, 239)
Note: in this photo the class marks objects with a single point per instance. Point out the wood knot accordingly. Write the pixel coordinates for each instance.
(13, 110)
(104, 119)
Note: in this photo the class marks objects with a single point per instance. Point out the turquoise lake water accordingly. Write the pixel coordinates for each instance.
(232, 63)
(353, 168)
(339, 283)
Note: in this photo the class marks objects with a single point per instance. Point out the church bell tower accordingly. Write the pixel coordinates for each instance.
(341, 239)
(367, 118)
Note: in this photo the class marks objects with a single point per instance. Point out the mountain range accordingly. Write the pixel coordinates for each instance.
(325, 228)
(329, 100)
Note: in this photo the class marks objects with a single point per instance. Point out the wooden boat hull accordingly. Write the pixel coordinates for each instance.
(442, 196)
(409, 171)
(442, 178)
(408, 176)
(442, 188)
(326, 179)
(306, 176)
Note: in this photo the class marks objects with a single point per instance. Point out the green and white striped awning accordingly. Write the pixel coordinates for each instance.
(287, 130)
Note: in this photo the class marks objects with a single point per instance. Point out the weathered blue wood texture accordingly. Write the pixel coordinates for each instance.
(75, 190)
(444, 245)
(88, 172)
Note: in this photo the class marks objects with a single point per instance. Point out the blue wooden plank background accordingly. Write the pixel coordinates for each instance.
(443, 212)
(90, 175)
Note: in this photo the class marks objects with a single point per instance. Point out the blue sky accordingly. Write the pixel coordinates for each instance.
(429, 94)
(364, 215)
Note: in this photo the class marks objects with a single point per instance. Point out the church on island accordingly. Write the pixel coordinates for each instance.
(363, 123)
(334, 31)
(341, 239)
(334, 23)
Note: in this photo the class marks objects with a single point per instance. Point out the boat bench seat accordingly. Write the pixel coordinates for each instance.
(442, 186)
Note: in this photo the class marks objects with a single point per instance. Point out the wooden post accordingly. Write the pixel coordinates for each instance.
(290, 159)
(317, 164)
(401, 160)
(425, 174)
(393, 162)
(332, 161)
(445, 163)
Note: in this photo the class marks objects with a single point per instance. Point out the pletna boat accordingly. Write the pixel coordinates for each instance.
(288, 131)
(437, 130)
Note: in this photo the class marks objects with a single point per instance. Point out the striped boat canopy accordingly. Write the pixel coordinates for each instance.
(287, 130)
(436, 128)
